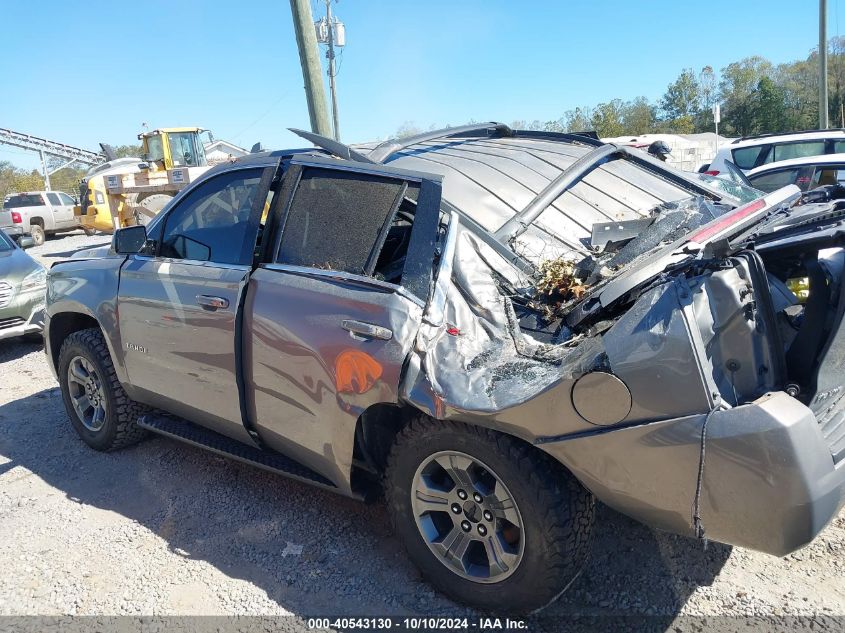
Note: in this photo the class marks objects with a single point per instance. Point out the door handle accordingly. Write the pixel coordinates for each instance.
(212, 303)
(367, 329)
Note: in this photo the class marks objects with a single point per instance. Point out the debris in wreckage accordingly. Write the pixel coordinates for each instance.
(558, 281)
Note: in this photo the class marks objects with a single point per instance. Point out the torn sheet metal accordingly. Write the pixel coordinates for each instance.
(470, 353)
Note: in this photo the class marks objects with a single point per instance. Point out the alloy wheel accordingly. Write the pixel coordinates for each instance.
(87, 394)
(467, 517)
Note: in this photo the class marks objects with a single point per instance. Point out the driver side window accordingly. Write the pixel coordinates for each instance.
(212, 223)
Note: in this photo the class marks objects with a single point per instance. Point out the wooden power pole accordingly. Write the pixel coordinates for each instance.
(309, 58)
(823, 114)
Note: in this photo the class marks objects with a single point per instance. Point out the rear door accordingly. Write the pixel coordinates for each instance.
(178, 307)
(332, 313)
(61, 218)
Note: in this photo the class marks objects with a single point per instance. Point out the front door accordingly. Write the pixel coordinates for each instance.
(178, 308)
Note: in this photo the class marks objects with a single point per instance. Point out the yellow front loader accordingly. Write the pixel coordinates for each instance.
(127, 191)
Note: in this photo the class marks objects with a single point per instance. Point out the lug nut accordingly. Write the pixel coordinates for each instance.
(465, 526)
(488, 516)
(477, 497)
(482, 530)
(456, 508)
(462, 495)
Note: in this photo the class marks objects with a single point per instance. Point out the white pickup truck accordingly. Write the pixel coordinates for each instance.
(37, 213)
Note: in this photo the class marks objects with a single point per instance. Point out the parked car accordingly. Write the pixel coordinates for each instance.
(750, 152)
(22, 285)
(39, 213)
(493, 328)
(806, 173)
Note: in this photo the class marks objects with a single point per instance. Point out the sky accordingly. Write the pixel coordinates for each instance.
(84, 72)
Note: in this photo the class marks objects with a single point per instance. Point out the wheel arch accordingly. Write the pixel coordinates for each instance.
(62, 325)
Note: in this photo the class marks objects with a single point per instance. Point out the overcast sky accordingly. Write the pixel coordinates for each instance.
(84, 72)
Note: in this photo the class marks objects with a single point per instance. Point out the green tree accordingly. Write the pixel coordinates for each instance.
(607, 119)
(682, 96)
(770, 113)
(736, 90)
(577, 120)
(638, 116)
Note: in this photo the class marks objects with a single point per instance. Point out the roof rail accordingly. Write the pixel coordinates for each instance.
(604, 152)
(769, 134)
(332, 146)
(385, 150)
(589, 138)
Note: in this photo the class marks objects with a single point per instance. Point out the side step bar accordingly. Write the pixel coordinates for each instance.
(184, 431)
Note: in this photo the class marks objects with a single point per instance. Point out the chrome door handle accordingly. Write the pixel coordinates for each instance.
(367, 329)
(212, 303)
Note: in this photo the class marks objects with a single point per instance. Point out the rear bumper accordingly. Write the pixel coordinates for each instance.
(24, 315)
(13, 231)
(770, 482)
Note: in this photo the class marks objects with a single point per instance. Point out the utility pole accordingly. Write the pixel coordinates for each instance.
(823, 114)
(306, 41)
(330, 56)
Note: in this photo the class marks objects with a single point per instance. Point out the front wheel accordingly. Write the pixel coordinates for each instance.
(490, 521)
(98, 407)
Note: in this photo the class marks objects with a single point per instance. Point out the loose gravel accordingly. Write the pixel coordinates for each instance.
(165, 529)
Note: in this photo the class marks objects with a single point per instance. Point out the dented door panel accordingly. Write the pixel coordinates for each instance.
(309, 373)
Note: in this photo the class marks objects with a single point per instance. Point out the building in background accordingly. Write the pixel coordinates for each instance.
(218, 152)
(689, 151)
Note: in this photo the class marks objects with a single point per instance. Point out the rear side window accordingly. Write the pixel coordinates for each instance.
(66, 199)
(827, 176)
(54, 199)
(774, 180)
(339, 220)
(798, 150)
(746, 157)
(23, 200)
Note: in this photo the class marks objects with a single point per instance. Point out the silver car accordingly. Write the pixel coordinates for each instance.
(493, 329)
(23, 282)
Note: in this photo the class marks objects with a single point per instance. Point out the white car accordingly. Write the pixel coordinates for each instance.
(807, 173)
(751, 152)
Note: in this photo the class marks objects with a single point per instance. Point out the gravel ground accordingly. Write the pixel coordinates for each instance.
(165, 529)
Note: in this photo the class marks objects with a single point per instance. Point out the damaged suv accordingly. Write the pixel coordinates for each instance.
(493, 329)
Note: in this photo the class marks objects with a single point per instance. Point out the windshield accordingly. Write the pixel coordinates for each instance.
(741, 192)
(23, 200)
(5, 242)
(155, 148)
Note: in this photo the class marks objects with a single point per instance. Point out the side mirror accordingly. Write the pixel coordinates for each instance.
(129, 240)
(25, 242)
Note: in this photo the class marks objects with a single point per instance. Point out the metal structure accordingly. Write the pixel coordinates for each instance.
(46, 147)
(823, 113)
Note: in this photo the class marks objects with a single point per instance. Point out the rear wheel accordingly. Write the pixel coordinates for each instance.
(489, 520)
(151, 204)
(96, 403)
(37, 234)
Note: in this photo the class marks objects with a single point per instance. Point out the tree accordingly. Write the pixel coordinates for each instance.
(607, 119)
(577, 120)
(638, 116)
(128, 151)
(739, 81)
(770, 112)
(682, 97)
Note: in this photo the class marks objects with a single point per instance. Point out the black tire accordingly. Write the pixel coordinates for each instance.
(36, 232)
(556, 511)
(119, 428)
